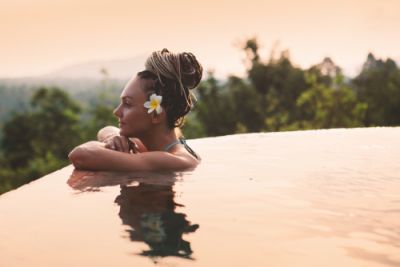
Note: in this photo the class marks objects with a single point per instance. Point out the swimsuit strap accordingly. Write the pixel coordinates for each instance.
(168, 147)
(181, 141)
(188, 148)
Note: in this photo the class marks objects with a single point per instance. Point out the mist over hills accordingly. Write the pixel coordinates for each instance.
(83, 75)
(84, 82)
(120, 69)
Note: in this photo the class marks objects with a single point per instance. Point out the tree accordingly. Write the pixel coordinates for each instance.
(279, 84)
(378, 85)
(247, 105)
(56, 117)
(215, 109)
(38, 141)
(16, 143)
(323, 107)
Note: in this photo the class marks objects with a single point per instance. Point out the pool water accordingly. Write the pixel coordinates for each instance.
(307, 198)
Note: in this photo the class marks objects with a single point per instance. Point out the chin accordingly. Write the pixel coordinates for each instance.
(122, 132)
(126, 133)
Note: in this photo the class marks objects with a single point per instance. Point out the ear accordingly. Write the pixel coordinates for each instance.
(158, 118)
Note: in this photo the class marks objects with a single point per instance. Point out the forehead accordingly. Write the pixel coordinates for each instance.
(134, 89)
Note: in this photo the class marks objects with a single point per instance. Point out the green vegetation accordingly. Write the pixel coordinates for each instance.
(37, 140)
(37, 134)
(278, 96)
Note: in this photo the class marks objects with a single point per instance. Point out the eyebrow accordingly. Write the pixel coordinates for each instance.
(125, 97)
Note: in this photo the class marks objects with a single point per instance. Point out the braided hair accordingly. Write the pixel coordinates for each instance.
(173, 76)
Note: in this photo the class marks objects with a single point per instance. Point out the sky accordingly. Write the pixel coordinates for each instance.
(40, 36)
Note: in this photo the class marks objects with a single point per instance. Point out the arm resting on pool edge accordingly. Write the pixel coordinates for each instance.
(94, 156)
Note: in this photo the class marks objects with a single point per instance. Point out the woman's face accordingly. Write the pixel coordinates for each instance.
(133, 118)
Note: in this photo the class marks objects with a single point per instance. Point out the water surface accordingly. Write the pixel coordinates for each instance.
(311, 198)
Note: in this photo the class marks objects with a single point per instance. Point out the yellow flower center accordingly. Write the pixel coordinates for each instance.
(154, 104)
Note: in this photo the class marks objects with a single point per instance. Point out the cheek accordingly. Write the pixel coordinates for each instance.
(136, 116)
(129, 115)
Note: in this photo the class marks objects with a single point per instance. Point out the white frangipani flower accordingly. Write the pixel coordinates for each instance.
(154, 104)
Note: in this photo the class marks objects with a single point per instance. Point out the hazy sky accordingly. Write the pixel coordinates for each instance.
(39, 36)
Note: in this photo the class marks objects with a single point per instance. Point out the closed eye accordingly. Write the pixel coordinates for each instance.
(126, 101)
(126, 104)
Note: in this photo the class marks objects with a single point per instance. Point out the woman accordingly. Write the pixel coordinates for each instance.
(153, 105)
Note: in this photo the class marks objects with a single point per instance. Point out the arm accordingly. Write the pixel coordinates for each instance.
(94, 156)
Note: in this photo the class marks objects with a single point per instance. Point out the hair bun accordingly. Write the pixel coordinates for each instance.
(191, 70)
(181, 67)
(174, 74)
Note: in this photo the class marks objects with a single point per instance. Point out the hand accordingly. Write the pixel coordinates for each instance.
(120, 143)
(106, 133)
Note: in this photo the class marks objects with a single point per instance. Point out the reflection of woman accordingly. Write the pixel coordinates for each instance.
(150, 211)
(153, 105)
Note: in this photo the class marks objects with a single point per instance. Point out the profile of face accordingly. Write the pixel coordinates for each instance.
(161, 75)
(134, 119)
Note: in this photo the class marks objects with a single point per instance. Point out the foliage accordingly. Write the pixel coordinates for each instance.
(215, 108)
(276, 96)
(323, 107)
(38, 135)
(38, 141)
(378, 85)
(100, 115)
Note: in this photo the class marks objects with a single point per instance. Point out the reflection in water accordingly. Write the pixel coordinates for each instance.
(363, 254)
(148, 208)
(150, 212)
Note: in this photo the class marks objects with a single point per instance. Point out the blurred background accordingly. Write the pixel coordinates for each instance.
(269, 66)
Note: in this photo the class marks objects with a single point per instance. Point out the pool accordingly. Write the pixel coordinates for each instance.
(305, 198)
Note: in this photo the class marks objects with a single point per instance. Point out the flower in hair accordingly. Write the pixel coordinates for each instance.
(154, 104)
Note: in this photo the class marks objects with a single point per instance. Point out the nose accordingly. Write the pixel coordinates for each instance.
(117, 111)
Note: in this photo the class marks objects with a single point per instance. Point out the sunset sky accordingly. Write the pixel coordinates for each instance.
(39, 36)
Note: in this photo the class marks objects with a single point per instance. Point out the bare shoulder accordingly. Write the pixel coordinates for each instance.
(184, 155)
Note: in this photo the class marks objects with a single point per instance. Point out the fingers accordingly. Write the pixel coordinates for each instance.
(110, 145)
(124, 142)
(133, 148)
(119, 143)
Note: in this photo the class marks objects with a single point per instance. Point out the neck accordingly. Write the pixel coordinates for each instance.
(158, 138)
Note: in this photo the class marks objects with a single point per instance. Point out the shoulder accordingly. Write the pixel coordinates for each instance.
(182, 153)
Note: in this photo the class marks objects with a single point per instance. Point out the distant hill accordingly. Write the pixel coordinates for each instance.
(83, 73)
(120, 69)
(83, 81)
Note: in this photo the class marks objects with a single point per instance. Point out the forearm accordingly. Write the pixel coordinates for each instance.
(107, 132)
(94, 156)
(76, 154)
